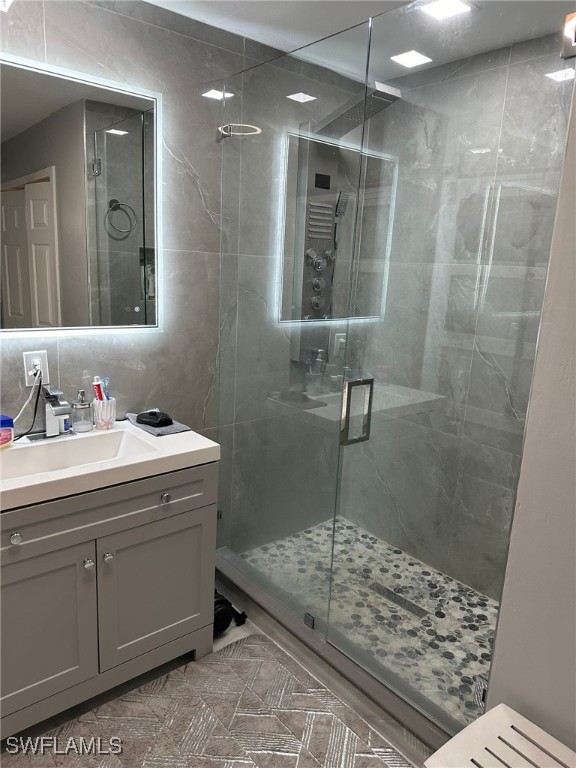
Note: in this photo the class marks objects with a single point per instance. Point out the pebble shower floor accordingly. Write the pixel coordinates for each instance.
(433, 633)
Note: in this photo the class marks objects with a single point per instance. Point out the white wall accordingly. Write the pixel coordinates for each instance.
(534, 669)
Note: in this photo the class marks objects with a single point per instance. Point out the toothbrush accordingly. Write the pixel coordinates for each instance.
(106, 386)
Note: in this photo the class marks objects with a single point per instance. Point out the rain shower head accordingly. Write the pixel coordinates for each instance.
(351, 115)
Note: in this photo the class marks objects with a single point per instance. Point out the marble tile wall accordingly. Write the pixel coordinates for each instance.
(470, 245)
(175, 366)
(471, 242)
(276, 475)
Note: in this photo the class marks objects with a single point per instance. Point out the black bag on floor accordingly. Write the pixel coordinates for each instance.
(224, 612)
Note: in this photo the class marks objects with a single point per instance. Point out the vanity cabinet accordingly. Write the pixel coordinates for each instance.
(100, 587)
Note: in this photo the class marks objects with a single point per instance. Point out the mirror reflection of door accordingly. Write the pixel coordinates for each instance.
(30, 274)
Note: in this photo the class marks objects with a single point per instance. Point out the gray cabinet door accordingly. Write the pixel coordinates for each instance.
(155, 584)
(49, 620)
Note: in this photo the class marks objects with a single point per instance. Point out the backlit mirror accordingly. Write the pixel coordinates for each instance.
(78, 179)
(333, 204)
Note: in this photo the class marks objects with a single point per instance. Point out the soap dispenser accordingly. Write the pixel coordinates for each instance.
(81, 413)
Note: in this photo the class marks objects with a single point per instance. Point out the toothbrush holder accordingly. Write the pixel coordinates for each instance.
(104, 413)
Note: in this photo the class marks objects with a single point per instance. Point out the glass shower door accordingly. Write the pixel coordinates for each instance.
(121, 229)
(425, 504)
(384, 245)
(285, 180)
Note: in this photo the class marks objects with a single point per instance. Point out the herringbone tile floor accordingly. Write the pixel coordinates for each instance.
(249, 705)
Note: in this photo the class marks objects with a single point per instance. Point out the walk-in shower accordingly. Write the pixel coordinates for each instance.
(388, 541)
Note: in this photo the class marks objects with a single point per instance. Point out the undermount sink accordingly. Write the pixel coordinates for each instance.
(40, 470)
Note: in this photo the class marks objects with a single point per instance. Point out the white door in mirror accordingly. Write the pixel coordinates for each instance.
(43, 254)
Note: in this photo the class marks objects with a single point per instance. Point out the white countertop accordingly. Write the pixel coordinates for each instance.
(36, 471)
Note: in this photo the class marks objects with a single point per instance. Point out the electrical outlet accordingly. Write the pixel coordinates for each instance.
(339, 347)
(31, 361)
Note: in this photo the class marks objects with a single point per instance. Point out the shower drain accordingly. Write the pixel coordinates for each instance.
(402, 602)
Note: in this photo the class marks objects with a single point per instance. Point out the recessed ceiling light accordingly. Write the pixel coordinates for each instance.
(561, 75)
(302, 97)
(116, 132)
(410, 59)
(218, 95)
(445, 9)
(480, 150)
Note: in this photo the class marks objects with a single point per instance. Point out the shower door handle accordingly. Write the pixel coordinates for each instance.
(356, 411)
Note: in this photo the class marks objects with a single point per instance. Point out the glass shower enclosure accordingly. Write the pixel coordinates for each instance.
(385, 237)
(120, 143)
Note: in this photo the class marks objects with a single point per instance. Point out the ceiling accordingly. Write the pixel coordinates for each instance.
(32, 96)
(491, 24)
(287, 24)
(291, 24)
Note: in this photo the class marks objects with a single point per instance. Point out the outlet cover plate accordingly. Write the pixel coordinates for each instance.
(29, 358)
(339, 347)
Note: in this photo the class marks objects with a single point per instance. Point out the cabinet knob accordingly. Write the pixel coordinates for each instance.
(166, 498)
(16, 538)
(88, 564)
(108, 557)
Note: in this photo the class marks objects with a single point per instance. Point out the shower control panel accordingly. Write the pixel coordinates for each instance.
(318, 278)
(325, 206)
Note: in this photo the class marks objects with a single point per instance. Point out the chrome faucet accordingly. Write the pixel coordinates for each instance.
(56, 412)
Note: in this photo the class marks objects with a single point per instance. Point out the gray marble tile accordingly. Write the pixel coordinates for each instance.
(191, 151)
(263, 345)
(126, 47)
(173, 368)
(511, 303)
(521, 230)
(399, 484)
(227, 346)
(231, 157)
(534, 126)
(465, 209)
(472, 65)
(263, 177)
(478, 556)
(441, 201)
(426, 338)
(192, 158)
(284, 480)
(258, 53)
(22, 30)
(539, 46)
(406, 318)
(472, 107)
(500, 381)
(175, 22)
(481, 517)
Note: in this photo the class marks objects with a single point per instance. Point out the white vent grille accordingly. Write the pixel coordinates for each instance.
(502, 739)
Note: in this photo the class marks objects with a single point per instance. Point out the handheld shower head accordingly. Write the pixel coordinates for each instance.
(342, 204)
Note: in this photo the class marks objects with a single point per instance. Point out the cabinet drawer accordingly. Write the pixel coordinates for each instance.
(30, 531)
